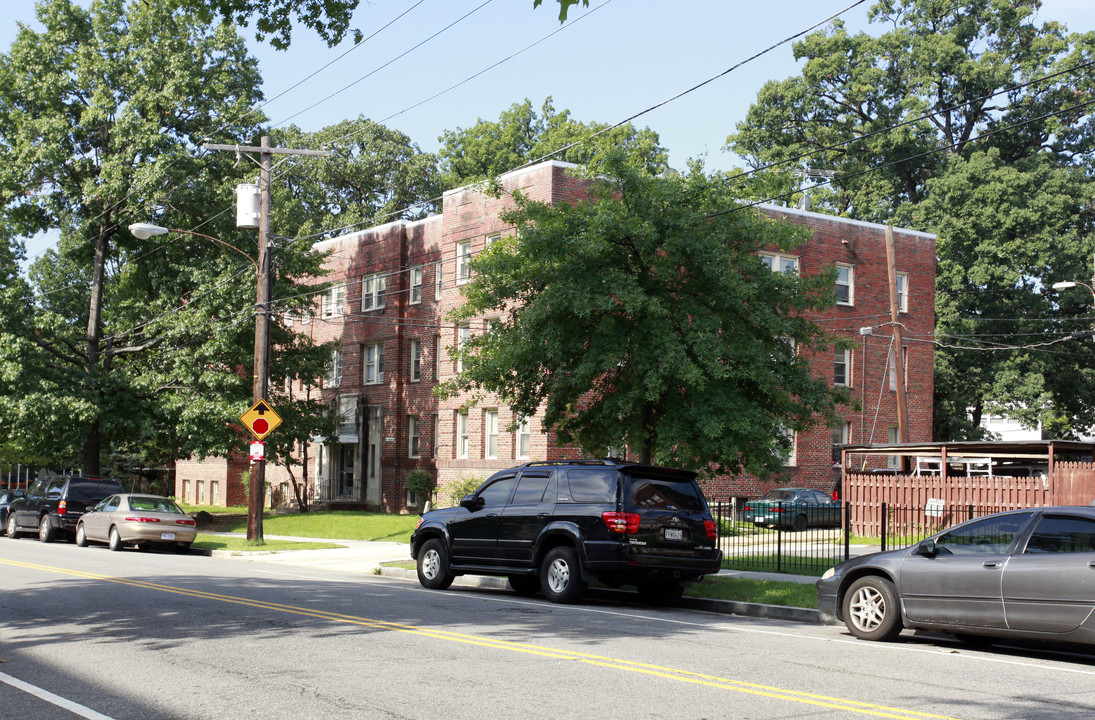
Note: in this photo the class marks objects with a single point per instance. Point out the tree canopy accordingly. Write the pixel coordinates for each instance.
(117, 348)
(643, 316)
(934, 124)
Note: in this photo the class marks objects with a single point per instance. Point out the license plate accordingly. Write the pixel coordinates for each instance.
(167, 536)
(674, 534)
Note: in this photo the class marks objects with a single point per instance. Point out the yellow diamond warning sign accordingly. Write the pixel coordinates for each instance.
(260, 419)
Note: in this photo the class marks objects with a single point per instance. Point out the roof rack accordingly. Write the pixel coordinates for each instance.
(607, 461)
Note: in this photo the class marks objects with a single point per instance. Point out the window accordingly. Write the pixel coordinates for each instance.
(490, 433)
(842, 367)
(787, 454)
(845, 285)
(412, 436)
(498, 492)
(491, 239)
(437, 281)
(461, 435)
(532, 488)
(524, 438)
(893, 367)
(416, 285)
(787, 264)
(416, 360)
(374, 364)
(892, 435)
(1062, 534)
(903, 292)
(373, 288)
(842, 434)
(463, 262)
(347, 415)
(436, 434)
(334, 369)
(463, 335)
(990, 536)
(334, 300)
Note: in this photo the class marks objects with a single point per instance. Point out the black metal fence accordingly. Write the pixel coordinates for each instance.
(780, 549)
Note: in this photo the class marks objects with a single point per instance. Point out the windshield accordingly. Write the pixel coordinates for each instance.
(779, 495)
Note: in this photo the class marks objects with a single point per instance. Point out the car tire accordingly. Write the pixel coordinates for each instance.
(12, 528)
(115, 541)
(872, 610)
(433, 566)
(661, 593)
(561, 576)
(524, 584)
(799, 523)
(81, 536)
(46, 533)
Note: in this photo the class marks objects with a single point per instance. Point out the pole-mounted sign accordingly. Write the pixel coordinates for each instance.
(260, 419)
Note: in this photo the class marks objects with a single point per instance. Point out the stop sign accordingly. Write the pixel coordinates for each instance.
(260, 426)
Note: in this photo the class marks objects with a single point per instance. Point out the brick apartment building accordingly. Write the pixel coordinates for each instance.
(396, 283)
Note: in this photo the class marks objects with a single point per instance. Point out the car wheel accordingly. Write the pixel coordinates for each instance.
(433, 566)
(115, 539)
(45, 529)
(524, 584)
(799, 523)
(81, 536)
(871, 609)
(12, 528)
(561, 576)
(661, 593)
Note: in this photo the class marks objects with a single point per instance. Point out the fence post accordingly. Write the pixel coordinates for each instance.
(885, 514)
(847, 529)
(779, 537)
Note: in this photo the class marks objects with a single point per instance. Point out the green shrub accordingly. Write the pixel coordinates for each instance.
(457, 490)
(421, 483)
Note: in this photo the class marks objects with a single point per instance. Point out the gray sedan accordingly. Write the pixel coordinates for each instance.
(1022, 574)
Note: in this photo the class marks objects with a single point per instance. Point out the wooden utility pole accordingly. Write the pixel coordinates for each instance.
(898, 355)
(257, 496)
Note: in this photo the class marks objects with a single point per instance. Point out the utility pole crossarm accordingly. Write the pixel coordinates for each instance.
(268, 150)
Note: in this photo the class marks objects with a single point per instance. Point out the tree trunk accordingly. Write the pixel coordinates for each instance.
(94, 336)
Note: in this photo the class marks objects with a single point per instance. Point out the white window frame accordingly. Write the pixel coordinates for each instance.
(414, 437)
(491, 238)
(463, 436)
(902, 292)
(463, 335)
(334, 369)
(334, 300)
(374, 288)
(892, 435)
(842, 434)
(849, 283)
(891, 367)
(347, 414)
(436, 433)
(437, 275)
(463, 262)
(842, 358)
(372, 364)
(490, 434)
(777, 262)
(416, 285)
(790, 459)
(416, 360)
(522, 446)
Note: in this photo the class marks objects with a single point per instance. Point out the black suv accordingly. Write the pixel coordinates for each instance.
(54, 505)
(556, 526)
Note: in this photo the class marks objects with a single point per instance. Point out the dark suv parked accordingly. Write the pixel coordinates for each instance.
(54, 505)
(555, 527)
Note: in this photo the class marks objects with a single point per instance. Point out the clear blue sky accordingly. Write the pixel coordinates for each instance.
(607, 63)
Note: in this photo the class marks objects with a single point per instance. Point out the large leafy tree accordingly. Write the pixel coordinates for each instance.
(643, 316)
(934, 123)
(124, 349)
(520, 135)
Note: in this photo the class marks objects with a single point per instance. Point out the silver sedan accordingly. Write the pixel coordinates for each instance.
(1026, 574)
(144, 520)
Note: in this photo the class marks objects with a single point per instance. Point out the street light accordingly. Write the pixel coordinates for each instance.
(256, 495)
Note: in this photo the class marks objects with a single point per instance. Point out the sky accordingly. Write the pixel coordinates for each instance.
(606, 64)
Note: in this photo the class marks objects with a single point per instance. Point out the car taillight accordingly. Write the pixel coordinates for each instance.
(712, 530)
(836, 495)
(141, 518)
(621, 522)
(62, 507)
(748, 508)
(185, 522)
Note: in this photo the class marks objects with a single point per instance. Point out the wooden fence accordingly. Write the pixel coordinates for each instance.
(1070, 484)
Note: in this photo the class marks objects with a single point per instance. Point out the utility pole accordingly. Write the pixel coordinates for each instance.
(898, 355)
(257, 496)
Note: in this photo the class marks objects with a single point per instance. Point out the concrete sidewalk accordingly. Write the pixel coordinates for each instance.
(366, 558)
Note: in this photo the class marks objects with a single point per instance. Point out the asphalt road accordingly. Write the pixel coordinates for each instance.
(88, 633)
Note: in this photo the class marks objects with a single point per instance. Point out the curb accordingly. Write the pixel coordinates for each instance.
(723, 607)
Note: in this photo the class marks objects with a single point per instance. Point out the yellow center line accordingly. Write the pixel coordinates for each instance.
(669, 673)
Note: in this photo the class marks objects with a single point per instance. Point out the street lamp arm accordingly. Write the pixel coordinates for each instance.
(146, 230)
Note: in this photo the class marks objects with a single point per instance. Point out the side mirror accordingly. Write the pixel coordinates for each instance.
(471, 502)
(927, 548)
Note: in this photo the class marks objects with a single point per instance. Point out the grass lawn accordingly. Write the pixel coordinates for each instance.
(242, 545)
(330, 525)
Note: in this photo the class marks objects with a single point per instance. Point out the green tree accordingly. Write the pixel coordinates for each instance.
(520, 136)
(123, 348)
(954, 92)
(644, 316)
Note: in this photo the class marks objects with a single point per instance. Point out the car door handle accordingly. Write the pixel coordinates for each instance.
(1091, 564)
(544, 515)
(492, 514)
(992, 564)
